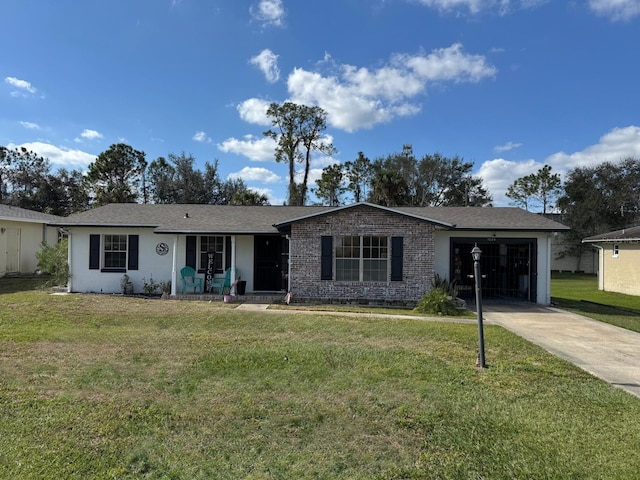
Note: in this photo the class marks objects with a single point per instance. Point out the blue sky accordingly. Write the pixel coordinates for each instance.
(508, 85)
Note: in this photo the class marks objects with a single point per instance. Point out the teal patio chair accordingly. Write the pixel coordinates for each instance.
(220, 284)
(189, 280)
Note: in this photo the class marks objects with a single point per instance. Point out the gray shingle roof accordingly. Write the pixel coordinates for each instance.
(8, 212)
(626, 235)
(488, 218)
(227, 219)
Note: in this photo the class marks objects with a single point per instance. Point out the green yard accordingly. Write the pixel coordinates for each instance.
(101, 386)
(579, 293)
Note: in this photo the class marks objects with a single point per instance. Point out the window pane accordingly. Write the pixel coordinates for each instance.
(115, 251)
(347, 270)
(212, 245)
(348, 247)
(374, 270)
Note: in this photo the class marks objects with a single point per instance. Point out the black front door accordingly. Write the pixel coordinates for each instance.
(268, 255)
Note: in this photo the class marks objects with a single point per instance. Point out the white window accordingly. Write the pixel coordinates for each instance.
(115, 251)
(212, 246)
(616, 249)
(361, 258)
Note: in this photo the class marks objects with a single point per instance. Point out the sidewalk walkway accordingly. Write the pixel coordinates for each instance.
(608, 352)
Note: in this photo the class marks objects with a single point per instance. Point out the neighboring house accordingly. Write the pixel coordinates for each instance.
(561, 261)
(618, 260)
(21, 235)
(358, 252)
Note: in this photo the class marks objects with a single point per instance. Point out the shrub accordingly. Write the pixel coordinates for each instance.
(438, 301)
(53, 260)
(150, 287)
(449, 287)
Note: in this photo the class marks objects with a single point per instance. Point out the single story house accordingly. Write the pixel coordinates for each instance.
(357, 252)
(561, 261)
(22, 232)
(618, 260)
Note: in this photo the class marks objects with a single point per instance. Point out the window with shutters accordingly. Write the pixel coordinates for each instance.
(214, 245)
(361, 258)
(115, 252)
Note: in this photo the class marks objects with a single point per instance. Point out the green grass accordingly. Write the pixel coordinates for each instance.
(366, 309)
(104, 386)
(579, 293)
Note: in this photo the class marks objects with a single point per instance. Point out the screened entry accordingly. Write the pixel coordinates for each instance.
(508, 267)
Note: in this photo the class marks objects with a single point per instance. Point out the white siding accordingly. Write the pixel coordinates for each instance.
(150, 264)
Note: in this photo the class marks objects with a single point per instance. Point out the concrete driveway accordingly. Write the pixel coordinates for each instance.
(608, 352)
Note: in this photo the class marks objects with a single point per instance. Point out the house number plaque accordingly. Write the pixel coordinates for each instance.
(162, 248)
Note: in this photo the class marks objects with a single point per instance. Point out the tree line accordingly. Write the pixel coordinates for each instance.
(118, 175)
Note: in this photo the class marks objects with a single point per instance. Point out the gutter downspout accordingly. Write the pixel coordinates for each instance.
(548, 272)
(288, 237)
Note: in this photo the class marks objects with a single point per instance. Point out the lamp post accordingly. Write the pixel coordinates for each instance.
(476, 253)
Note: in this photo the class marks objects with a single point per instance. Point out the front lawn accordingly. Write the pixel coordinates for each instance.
(105, 386)
(579, 293)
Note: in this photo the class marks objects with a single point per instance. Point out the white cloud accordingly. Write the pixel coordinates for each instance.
(90, 134)
(23, 86)
(614, 146)
(254, 111)
(478, 6)
(201, 137)
(357, 98)
(256, 149)
(267, 62)
(30, 125)
(268, 12)
(498, 174)
(616, 9)
(256, 174)
(507, 147)
(449, 64)
(60, 157)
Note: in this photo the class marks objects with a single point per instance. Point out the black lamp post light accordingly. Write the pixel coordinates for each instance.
(476, 253)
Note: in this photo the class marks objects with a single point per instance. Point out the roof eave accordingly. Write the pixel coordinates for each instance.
(330, 211)
(610, 240)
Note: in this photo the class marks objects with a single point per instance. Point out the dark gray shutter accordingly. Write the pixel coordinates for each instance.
(192, 244)
(326, 262)
(133, 252)
(94, 252)
(396, 258)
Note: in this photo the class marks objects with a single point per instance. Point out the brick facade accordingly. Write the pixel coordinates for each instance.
(418, 256)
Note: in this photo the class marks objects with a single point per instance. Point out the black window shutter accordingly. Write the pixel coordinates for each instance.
(396, 258)
(227, 252)
(192, 244)
(94, 252)
(133, 252)
(326, 262)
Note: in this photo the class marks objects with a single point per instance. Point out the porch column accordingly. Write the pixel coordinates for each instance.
(69, 264)
(233, 264)
(174, 268)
